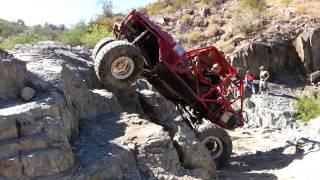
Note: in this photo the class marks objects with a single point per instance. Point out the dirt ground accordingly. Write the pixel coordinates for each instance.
(267, 154)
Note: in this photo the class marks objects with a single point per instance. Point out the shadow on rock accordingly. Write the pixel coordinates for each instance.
(283, 95)
(94, 143)
(242, 165)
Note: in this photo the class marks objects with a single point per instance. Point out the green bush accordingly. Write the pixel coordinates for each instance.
(308, 107)
(73, 36)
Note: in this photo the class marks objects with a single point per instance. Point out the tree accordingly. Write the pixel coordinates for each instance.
(20, 22)
(107, 7)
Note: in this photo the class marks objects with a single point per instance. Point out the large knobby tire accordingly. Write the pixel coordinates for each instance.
(118, 64)
(100, 44)
(217, 141)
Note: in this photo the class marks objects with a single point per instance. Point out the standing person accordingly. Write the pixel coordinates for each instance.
(264, 76)
(249, 77)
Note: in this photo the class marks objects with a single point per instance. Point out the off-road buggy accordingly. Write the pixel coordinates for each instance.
(141, 49)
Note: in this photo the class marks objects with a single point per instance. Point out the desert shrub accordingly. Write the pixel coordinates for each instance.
(180, 3)
(163, 6)
(153, 8)
(307, 107)
(209, 2)
(194, 36)
(211, 31)
(285, 2)
(245, 23)
(187, 19)
(252, 5)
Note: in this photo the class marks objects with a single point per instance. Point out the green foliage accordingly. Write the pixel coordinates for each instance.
(259, 5)
(10, 28)
(73, 36)
(308, 107)
(31, 35)
(95, 34)
(83, 34)
(23, 38)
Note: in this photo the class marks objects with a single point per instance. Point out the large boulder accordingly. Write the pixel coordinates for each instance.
(273, 110)
(308, 48)
(13, 74)
(277, 56)
(191, 152)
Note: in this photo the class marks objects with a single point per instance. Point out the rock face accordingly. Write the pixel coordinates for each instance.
(13, 74)
(113, 135)
(308, 48)
(276, 55)
(34, 139)
(270, 110)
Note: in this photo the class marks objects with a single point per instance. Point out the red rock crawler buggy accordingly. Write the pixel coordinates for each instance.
(141, 48)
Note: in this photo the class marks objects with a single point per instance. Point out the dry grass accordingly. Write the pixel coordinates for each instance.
(308, 7)
(226, 47)
(248, 5)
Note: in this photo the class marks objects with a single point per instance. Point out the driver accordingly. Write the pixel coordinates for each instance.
(214, 74)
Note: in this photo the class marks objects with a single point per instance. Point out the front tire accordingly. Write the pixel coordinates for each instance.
(118, 64)
(100, 44)
(217, 141)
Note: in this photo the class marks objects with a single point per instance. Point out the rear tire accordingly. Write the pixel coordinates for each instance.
(100, 44)
(217, 141)
(118, 64)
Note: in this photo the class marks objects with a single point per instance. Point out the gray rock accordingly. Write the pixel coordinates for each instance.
(154, 151)
(315, 77)
(34, 139)
(193, 153)
(307, 45)
(162, 108)
(27, 93)
(13, 74)
(205, 12)
(188, 11)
